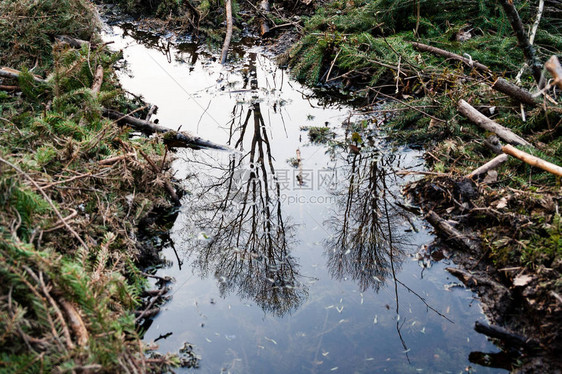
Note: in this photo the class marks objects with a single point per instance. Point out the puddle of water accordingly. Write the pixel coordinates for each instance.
(291, 255)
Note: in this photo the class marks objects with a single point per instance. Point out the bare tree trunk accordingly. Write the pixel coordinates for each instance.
(228, 7)
(522, 39)
(481, 120)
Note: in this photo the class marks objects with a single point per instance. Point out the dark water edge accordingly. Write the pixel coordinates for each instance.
(279, 274)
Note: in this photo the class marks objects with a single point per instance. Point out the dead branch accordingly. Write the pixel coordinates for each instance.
(553, 66)
(490, 165)
(153, 110)
(14, 74)
(98, 80)
(487, 124)
(532, 160)
(171, 138)
(450, 234)
(505, 336)
(76, 323)
(167, 184)
(453, 56)
(264, 21)
(49, 201)
(228, 37)
(522, 39)
(114, 159)
(499, 84)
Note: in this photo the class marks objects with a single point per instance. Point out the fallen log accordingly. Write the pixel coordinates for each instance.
(499, 84)
(490, 165)
(452, 235)
(172, 138)
(228, 36)
(532, 160)
(553, 66)
(505, 336)
(487, 124)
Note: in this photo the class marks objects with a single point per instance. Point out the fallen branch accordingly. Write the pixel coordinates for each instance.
(114, 159)
(453, 56)
(532, 160)
(505, 336)
(499, 84)
(228, 36)
(73, 42)
(452, 235)
(553, 66)
(171, 138)
(490, 165)
(14, 74)
(481, 120)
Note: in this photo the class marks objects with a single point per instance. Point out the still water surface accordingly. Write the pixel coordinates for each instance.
(292, 254)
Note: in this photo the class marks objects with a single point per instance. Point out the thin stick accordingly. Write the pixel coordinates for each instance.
(532, 160)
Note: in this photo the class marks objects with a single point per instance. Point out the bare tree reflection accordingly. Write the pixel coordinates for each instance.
(361, 245)
(239, 206)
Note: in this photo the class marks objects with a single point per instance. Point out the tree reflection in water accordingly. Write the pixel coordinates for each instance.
(239, 204)
(361, 245)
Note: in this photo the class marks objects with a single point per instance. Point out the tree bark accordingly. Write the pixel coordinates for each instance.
(532, 160)
(14, 74)
(505, 336)
(481, 120)
(490, 165)
(522, 39)
(553, 66)
(172, 138)
(228, 37)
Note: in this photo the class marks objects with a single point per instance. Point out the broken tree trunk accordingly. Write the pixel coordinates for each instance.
(228, 36)
(532, 160)
(481, 120)
(452, 235)
(554, 68)
(490, 165)
(172, 138)
(522, 39)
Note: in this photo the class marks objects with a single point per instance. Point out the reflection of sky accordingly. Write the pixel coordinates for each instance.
(337, 328)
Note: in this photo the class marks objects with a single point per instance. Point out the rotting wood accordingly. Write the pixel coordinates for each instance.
(555, 69)
(490, 165)
(532, 160)
(172, 138)
(487, 124)
(505, 336)
(450, 234)
(500, 84)
(228, 36)
(522, 39)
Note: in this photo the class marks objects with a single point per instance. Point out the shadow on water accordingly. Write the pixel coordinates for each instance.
(293, 255)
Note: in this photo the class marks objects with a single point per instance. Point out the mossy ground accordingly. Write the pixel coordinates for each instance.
(73, 190)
